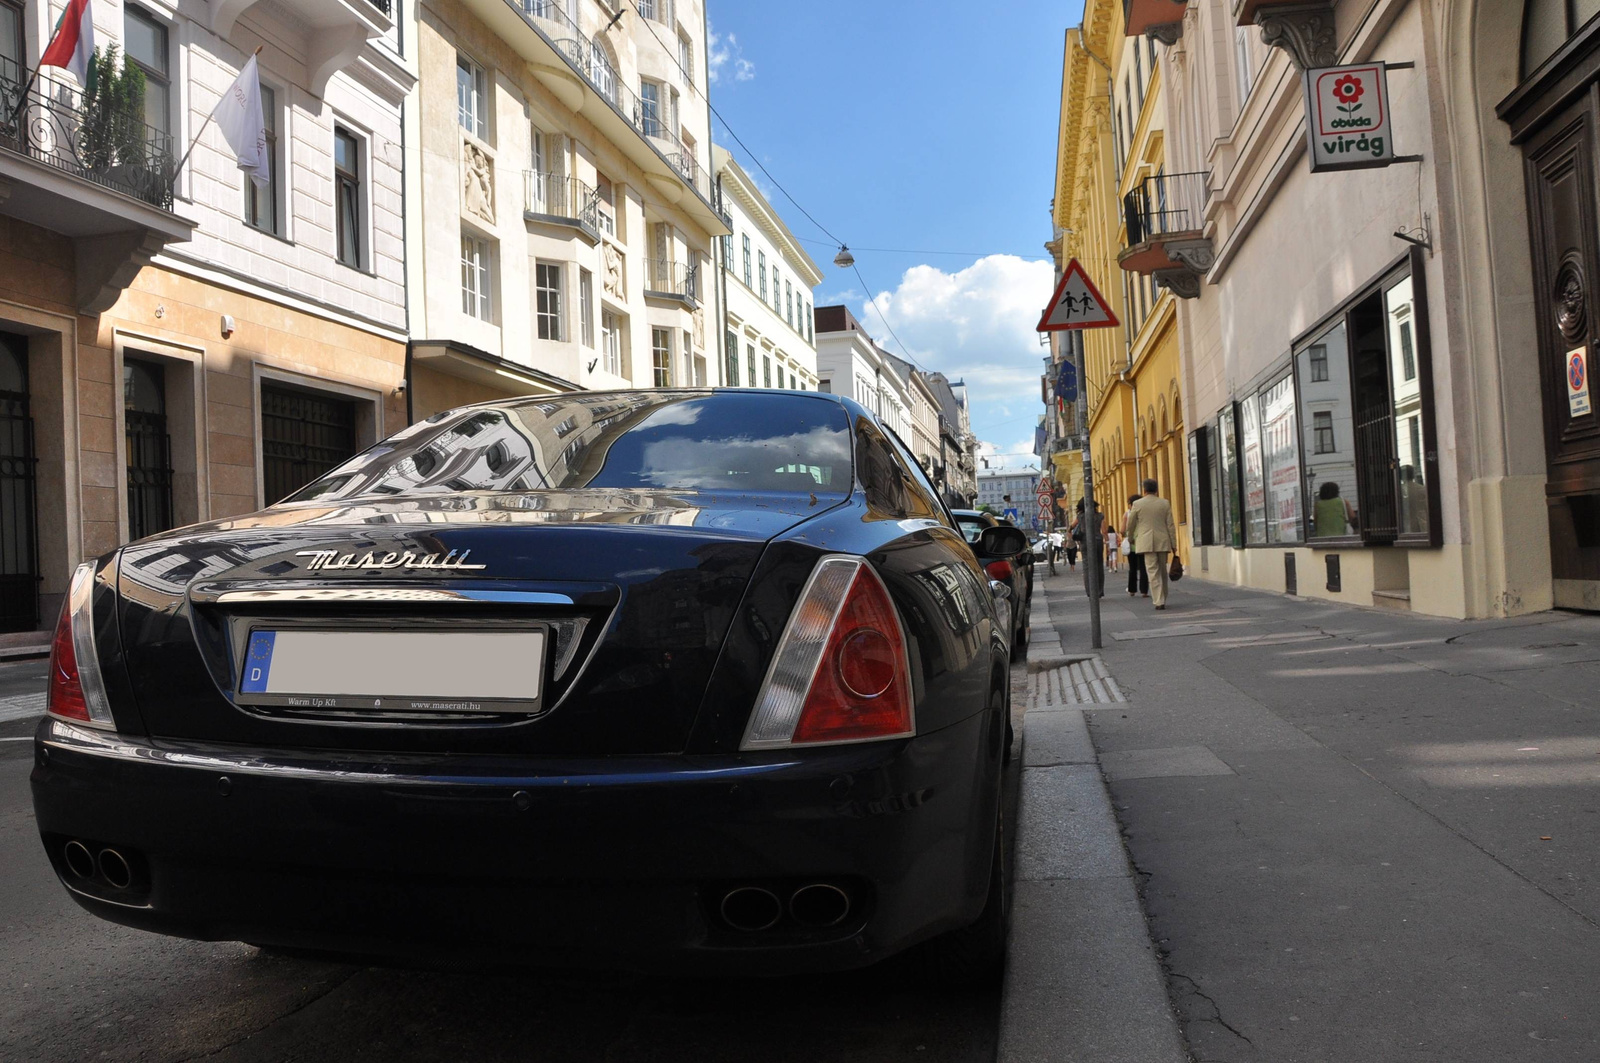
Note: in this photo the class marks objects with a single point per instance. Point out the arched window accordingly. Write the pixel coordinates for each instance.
(1547, 25)
(1165, 427)
(1177, 408)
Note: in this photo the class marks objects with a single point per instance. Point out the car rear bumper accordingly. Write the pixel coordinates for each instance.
(617, 862)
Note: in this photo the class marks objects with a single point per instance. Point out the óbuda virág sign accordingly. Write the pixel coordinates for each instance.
(1347, 117)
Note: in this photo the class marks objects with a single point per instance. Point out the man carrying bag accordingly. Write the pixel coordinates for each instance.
(1155, 536)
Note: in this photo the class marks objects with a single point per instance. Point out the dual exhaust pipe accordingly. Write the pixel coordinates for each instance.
(815, 906)
(106, 866)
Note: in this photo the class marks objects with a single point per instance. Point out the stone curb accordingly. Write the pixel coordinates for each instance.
(1082, 980)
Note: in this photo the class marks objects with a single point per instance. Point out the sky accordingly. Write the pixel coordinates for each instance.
(917, 126)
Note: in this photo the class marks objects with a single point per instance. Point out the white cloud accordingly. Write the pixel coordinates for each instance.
(725, 58)
(977, 325)
(849, 295)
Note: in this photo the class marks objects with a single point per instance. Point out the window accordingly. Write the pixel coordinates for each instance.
(261, 203)
(586, 307)
(766, 371)
(650, 108)
(1230, 523)
(347, 196)
(13, 48)
(1323, 441)
(661, 356)
(608, 210)
(1280, 442)
(727, 251)
(476, 299)
(761, 273)
(304, 434)
(792, 385)
(747, 278)
(611, 343)
(1241, 55)
(1408, 354)
(809, 324)
(547, 301)
(777, 289)
(750, 366)
(144, 40)
(1318, 359)
(788, 303)
(686, 58)
(472, 97)
(689, 358)
(730, 344)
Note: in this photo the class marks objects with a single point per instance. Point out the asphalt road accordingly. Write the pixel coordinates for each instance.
(75, 988)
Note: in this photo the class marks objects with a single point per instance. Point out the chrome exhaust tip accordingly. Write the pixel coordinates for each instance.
(114, 869)
(819, 905)
(751, 908)
(78, 859)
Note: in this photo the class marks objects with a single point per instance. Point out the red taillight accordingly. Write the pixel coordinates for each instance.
(76, 690)
(65, 695)
(1000, 570)
(840, 673)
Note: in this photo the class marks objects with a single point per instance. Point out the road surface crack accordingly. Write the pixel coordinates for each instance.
(1216, 1012)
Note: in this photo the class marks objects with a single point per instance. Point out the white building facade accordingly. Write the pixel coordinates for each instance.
(1019, 484)
(559, 155)
(850, 363)
(767, 284)
(177, 344)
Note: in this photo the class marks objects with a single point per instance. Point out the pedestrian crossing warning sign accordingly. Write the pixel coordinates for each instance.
(1077, 304)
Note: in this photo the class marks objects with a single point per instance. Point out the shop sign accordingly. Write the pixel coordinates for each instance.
(1578, 382)
(1348, 117)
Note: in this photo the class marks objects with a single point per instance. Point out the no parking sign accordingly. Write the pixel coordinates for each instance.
(1578, 382)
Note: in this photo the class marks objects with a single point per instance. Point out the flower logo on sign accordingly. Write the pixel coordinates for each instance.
(1347, 90)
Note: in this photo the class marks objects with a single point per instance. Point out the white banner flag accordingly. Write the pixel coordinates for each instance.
(239, 117)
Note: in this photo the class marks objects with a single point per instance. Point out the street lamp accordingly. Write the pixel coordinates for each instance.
(844, 259)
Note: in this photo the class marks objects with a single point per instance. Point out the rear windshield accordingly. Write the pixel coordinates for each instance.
(723, 441)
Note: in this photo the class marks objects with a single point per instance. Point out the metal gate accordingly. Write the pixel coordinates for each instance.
(303, 435)
(149, 450)
(19, 548)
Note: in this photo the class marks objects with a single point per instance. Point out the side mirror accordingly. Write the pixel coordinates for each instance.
(1000, 543)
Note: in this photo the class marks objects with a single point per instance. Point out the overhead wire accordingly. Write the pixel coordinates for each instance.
(688, 78)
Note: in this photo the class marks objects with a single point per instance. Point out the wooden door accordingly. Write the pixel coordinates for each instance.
(1563, 212)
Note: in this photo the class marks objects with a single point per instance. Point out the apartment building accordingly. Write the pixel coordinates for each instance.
(766, 288)
(558, 156)
(1384, 368)
(175, 343)
(850, 363)
(1111, 152)
(1006, 489)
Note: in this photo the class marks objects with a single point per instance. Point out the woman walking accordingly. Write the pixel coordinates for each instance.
(1112, 545)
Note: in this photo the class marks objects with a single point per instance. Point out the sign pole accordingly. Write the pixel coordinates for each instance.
(1094, 554)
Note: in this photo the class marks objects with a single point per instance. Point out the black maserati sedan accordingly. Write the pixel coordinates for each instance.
(680, 680)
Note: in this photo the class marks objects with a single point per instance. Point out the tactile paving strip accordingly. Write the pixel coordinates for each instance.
(1083, 682)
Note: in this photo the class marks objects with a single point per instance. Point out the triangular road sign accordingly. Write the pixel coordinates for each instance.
(1076, 304)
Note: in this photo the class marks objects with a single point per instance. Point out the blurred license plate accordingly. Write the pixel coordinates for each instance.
(420, 670)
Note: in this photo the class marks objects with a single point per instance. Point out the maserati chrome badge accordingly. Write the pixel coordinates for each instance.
(330, 560)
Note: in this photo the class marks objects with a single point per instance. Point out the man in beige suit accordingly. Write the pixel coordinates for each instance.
(1154, 535)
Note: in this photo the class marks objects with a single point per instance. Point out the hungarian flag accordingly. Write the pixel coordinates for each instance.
(72, 47)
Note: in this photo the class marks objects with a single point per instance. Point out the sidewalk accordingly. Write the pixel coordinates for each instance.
(1360, 835)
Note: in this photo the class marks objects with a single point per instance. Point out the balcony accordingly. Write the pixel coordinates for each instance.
(562, 200)
(102, 178)
(583, 76)
(1159, 19)
(1165, 219)
(664, 279)
(337, 30)
(1304, 29)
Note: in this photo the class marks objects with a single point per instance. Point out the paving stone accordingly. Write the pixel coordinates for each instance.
(1174, 763)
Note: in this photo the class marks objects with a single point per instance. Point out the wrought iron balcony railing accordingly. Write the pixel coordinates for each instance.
(560, 196)
(664, 277)
(1166, 204)
(589, 58)
(386, 6)
(52, 122)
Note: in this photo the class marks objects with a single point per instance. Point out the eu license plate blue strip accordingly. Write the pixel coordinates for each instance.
(257, 662)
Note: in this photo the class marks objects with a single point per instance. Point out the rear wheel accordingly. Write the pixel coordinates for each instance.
(976, 953)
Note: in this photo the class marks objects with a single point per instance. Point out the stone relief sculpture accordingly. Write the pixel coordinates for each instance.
(613, 275)
(699, 326)
(477, 182)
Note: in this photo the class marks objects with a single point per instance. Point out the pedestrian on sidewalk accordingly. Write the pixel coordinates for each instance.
(1138, 579)
(1154, 536)
(1070, 545)
(1113, 551)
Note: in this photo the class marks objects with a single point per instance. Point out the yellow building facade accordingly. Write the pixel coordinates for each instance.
(1110, 145)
